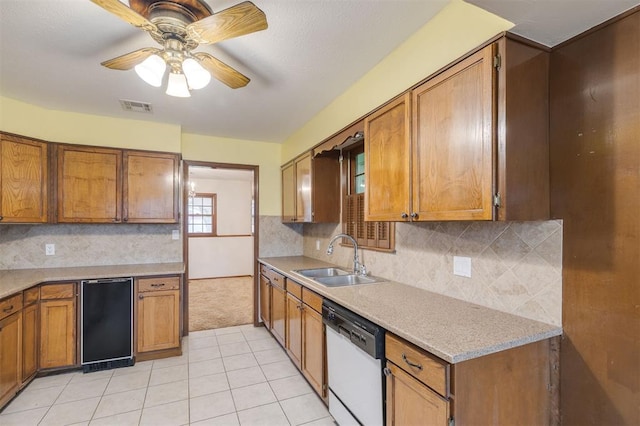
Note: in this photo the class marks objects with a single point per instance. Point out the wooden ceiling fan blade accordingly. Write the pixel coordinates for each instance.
(241, 19)
(130, 60)
(125, 13)
(222, 71)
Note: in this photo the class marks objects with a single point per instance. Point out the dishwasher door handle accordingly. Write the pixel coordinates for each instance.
(345, 332)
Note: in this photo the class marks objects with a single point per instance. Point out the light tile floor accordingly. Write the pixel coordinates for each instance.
(229, 376)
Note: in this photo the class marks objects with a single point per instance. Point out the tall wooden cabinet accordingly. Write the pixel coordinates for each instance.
(24, 179)
(10, 350)
(158, 314)
(58, 325)
(470, 143)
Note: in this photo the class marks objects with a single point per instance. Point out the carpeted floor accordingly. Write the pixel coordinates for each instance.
(220, 302)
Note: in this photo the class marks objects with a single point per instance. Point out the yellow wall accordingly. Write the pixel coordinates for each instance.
(222, 150)
(69, 127)
(457, 29)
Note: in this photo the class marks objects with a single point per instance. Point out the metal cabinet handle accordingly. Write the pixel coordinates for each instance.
(387, 371)
(414, 215)
(9, 309)
(411, 364)
(1, 217)
(126, 219)
(404, 215)
(157, 285)
(141, 296)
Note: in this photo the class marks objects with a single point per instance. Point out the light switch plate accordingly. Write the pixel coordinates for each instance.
(317, 245)
(462, 266)
(175, 234)
(50, 249)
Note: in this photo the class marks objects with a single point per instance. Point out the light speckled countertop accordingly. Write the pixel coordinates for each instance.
(451, 329)
(15, 280)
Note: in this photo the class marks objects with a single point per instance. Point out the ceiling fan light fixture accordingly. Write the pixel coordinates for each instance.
(197, 76)
(177, 85)
(151, 70)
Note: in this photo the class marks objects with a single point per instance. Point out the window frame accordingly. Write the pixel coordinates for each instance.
(214, 215)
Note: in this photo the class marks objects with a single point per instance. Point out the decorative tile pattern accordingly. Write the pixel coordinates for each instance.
(516, 266)
(278, 239)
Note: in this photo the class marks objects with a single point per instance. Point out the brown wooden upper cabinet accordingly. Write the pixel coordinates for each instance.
(23, 180)
(470, 143)
(311, 189)
(104, 185)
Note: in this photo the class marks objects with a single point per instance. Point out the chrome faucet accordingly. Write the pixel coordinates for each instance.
(358, 269)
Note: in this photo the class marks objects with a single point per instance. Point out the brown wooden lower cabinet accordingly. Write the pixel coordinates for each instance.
(29, 341)
(10, 377)
(294, 329)
(278, 313)
(313, 345)
(265, 301)
(157, 314)
(58, 324)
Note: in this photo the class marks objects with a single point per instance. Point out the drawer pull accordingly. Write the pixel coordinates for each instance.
(411, 364)
(157, 285)
(140, 296)
(9, 309)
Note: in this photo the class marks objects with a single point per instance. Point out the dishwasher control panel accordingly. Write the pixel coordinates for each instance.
(361, 332)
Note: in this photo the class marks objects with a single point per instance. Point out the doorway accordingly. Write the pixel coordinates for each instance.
(220, 229)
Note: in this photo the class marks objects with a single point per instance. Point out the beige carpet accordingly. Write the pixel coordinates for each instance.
(220, 302)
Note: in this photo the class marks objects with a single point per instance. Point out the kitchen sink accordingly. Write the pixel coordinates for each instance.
(345, 280)
(322, 272)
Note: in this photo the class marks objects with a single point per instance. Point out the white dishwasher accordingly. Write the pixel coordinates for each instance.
(355, 358)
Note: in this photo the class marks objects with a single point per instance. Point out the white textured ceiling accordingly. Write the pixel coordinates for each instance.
(313, 50)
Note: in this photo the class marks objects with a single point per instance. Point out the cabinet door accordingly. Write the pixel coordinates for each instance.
(158, 316)
(265, 301)
(89, 184)
(410, 402)
(23, 180)
(294, 329)
(9, 356)
(288, 193)
(57, 333)
(150, 192)
(278, 309)
(29, 341)
(387, 158)
(453, 142)
(313, 350)
(304, 209)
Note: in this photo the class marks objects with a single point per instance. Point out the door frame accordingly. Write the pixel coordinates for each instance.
(185, 242)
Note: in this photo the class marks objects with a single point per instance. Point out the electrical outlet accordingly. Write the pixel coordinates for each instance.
(462, 266)
(317, 245)
(50, 249)
(175, 234)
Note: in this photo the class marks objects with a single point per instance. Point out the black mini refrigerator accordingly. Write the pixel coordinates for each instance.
(106, 323)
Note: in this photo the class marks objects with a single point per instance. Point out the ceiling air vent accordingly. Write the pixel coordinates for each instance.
(136, 106)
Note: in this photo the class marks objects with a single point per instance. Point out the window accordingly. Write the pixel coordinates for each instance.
(201, 215)
(371, 235)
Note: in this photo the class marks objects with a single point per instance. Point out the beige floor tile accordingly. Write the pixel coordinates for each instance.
(270, 355)
(289, 387)
(245, 377)
(23, 418)
(226, 420)
(204, 342)
(205, 385)
(225, 339)
(122, 402)
(228, 330)
(176, 373)
(205, 368)
(172, 414)
(210, 406)
(77, 391)
(50, 381)
(236, 362)
(128, 382)
(303, 409)
(72, 412)
(326, 421)
(202, 333)
(34, 398)
(79, 377)
(252, 396)
(137, 368)
(280, 369)
(168, 392)
(263, 345)
(203, 354)
(171, 361)
(131, 418)
(264, 415)
(235, 349)
(256, 333)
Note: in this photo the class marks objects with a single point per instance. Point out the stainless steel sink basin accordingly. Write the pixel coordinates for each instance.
(322, 272)
(345, 280)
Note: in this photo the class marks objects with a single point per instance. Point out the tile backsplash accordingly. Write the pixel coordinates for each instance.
(279, 239)
(516, 267)
(23, 246)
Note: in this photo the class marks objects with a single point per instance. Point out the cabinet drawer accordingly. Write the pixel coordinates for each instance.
(31, 296)
(312, 299)
(10, 305)
(158, 283)
(264, 270)
(275, 278)
(57, 291)
(427, 368)
(294, 288)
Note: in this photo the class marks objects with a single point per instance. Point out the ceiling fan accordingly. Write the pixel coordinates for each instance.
(180, 26)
